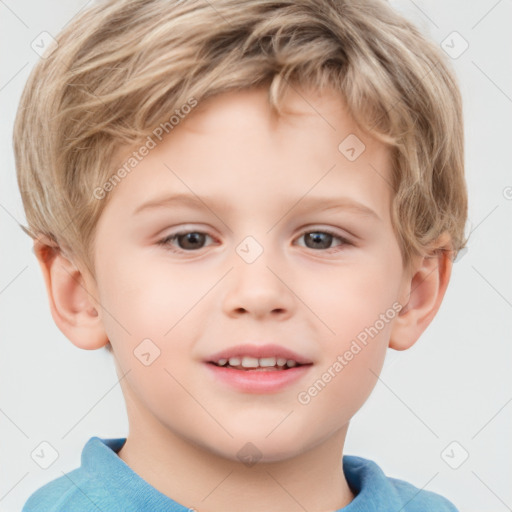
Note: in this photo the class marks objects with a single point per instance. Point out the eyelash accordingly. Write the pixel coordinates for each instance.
(165, 242)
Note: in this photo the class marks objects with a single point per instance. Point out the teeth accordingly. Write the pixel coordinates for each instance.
(249, 362)
(254, 362)
(267, 361)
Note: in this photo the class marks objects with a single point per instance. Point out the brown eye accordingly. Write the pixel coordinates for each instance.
(322, 240)
(192, 240)
(186, 241)
(318, 240)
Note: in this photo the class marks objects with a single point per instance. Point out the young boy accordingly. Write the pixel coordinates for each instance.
(313, 151)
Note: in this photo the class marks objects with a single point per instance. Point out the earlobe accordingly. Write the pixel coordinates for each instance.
(422, 298)
(72, 304)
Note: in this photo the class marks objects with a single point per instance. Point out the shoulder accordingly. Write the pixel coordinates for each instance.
(69, 492)
(420, 500)
(373, 486)
(84, 488)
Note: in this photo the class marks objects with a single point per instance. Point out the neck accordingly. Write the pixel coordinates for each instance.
(198, 478)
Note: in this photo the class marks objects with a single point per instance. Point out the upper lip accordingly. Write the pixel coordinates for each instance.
(259, 351)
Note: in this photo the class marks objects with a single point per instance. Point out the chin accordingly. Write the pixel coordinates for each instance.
(251, 450)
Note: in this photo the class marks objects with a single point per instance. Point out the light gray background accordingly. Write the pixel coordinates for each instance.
(453, 385)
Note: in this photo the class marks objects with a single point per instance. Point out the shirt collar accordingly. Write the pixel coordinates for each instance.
(100, 460)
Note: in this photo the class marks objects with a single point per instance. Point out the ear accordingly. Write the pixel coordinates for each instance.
(71, 299)
(424, 289)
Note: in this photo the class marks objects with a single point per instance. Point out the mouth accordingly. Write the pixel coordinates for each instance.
(260, 369)
(255, 364)
(251, 357)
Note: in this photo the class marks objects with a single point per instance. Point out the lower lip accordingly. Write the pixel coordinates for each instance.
(258, 381)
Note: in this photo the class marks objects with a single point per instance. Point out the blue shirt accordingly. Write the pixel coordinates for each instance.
(105, 483)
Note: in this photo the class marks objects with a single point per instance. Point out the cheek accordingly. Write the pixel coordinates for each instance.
(354, 296)
(153, 309)
(148, 326)
(150, 298)
(359, 305)
(352, 359)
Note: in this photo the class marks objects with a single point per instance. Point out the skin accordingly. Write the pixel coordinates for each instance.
(185, 428)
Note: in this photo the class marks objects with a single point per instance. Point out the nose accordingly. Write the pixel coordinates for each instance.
(260, 289)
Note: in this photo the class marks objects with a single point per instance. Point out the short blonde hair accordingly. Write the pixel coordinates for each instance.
(123, 67)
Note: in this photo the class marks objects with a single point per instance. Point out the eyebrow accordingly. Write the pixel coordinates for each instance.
(308, 202)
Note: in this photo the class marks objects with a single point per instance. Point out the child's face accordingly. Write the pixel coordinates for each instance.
(265, 185)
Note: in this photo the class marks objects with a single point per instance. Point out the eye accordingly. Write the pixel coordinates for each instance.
(322, 239)
(187, 240)
(191, 241)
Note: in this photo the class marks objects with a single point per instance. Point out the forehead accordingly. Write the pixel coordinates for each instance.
(235, 147)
